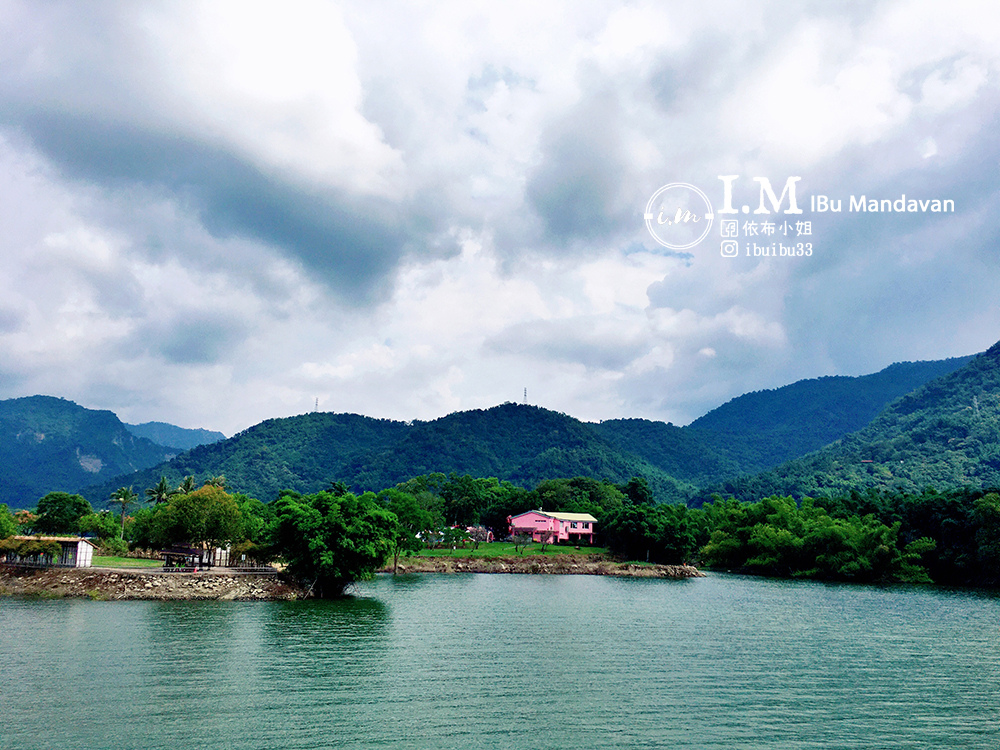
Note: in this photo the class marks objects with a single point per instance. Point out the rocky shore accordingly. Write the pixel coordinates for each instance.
(119, 584)
(115, 584)
(557, 565)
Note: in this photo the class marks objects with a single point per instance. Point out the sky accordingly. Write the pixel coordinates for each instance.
(215, 213)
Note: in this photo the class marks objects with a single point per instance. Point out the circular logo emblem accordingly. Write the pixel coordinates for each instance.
(679, 216)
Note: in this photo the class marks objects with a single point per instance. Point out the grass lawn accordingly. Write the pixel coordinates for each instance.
(102, 561)
(505, 549)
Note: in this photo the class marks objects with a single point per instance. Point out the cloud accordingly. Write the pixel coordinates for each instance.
(215, 213)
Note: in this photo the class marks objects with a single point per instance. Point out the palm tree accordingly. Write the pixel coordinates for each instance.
(160, 492)
(187, 486)
(125, 497)
(219, 481)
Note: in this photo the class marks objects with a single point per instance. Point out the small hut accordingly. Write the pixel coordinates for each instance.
(47, 551)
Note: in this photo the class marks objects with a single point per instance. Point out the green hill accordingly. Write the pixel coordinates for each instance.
(50, 444)
(945, 434)
(762, 429)
(521, 444)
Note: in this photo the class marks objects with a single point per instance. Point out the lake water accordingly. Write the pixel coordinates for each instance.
(510, 661)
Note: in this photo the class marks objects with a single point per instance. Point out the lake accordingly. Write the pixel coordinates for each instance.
(511, 661)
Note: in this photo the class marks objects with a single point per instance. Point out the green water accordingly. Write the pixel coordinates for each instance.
(479, 661)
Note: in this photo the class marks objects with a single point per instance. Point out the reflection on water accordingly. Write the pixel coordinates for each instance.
(468, 661)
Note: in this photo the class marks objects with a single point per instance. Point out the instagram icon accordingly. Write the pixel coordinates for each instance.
(730, 248)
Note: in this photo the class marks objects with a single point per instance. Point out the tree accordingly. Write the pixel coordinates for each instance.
(330, 541)
(102, 525)
(160, 492)
(124, 496)
(186, 486)
(413, 519)
(8, 524)
(637, 491)
(521, 541)
(208, 515)
(219, 481)
(60, 513)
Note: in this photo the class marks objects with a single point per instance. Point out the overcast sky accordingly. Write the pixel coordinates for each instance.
(216, 213)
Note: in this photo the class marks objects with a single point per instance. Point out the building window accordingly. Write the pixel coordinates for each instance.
(573, 525)
(586, 524)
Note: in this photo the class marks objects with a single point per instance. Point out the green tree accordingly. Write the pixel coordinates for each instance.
(217, 481)
(637, 491)
(102, 525)
(987, 517)
(60, 513)
(413, 519)
(186, 486)
(124, 496)
(8, 524)
(330, 541)
(208, 515)
(160, 492)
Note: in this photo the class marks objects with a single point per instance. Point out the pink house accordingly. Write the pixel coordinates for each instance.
(573, 528)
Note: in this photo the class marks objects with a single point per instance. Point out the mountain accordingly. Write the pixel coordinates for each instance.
(51, 444)
(944, 434)
(762, 429)
(181, 438)
(522, 444)
(765, 428)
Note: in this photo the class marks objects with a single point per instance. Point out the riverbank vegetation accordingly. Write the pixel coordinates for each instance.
(329, 538)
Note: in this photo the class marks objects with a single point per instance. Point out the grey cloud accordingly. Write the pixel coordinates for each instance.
(190, 339)
(351, 245)
(576, 189)
(11, 320)
(583, 340)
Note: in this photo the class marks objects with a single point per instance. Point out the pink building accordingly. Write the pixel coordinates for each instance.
(573, 528)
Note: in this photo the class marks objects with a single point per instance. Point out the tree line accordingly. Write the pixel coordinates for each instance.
(331, 537)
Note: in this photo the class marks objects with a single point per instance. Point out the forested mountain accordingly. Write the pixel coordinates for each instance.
(687, 454)
(182, 438)
(762, 429)
(522, 444)
(945, 434)
(50, 444)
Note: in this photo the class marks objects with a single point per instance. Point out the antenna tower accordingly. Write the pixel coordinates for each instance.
(526, 395)
(316, 407)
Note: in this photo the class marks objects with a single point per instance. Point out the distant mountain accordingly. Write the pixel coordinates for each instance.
(521, 444)
(762, 429)
(50, 444)
(765, 428)
(183, 438)
(945, 434)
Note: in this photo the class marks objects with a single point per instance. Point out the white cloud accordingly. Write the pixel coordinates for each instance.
(218, 212)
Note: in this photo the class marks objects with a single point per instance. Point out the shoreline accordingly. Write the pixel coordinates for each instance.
(124, 584)
(543, 565)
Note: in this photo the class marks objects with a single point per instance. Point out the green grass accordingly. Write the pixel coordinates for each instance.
(506, 549)
(103, 561)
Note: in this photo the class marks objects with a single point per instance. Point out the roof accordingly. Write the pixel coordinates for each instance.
(560, 516)
(40, 538)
